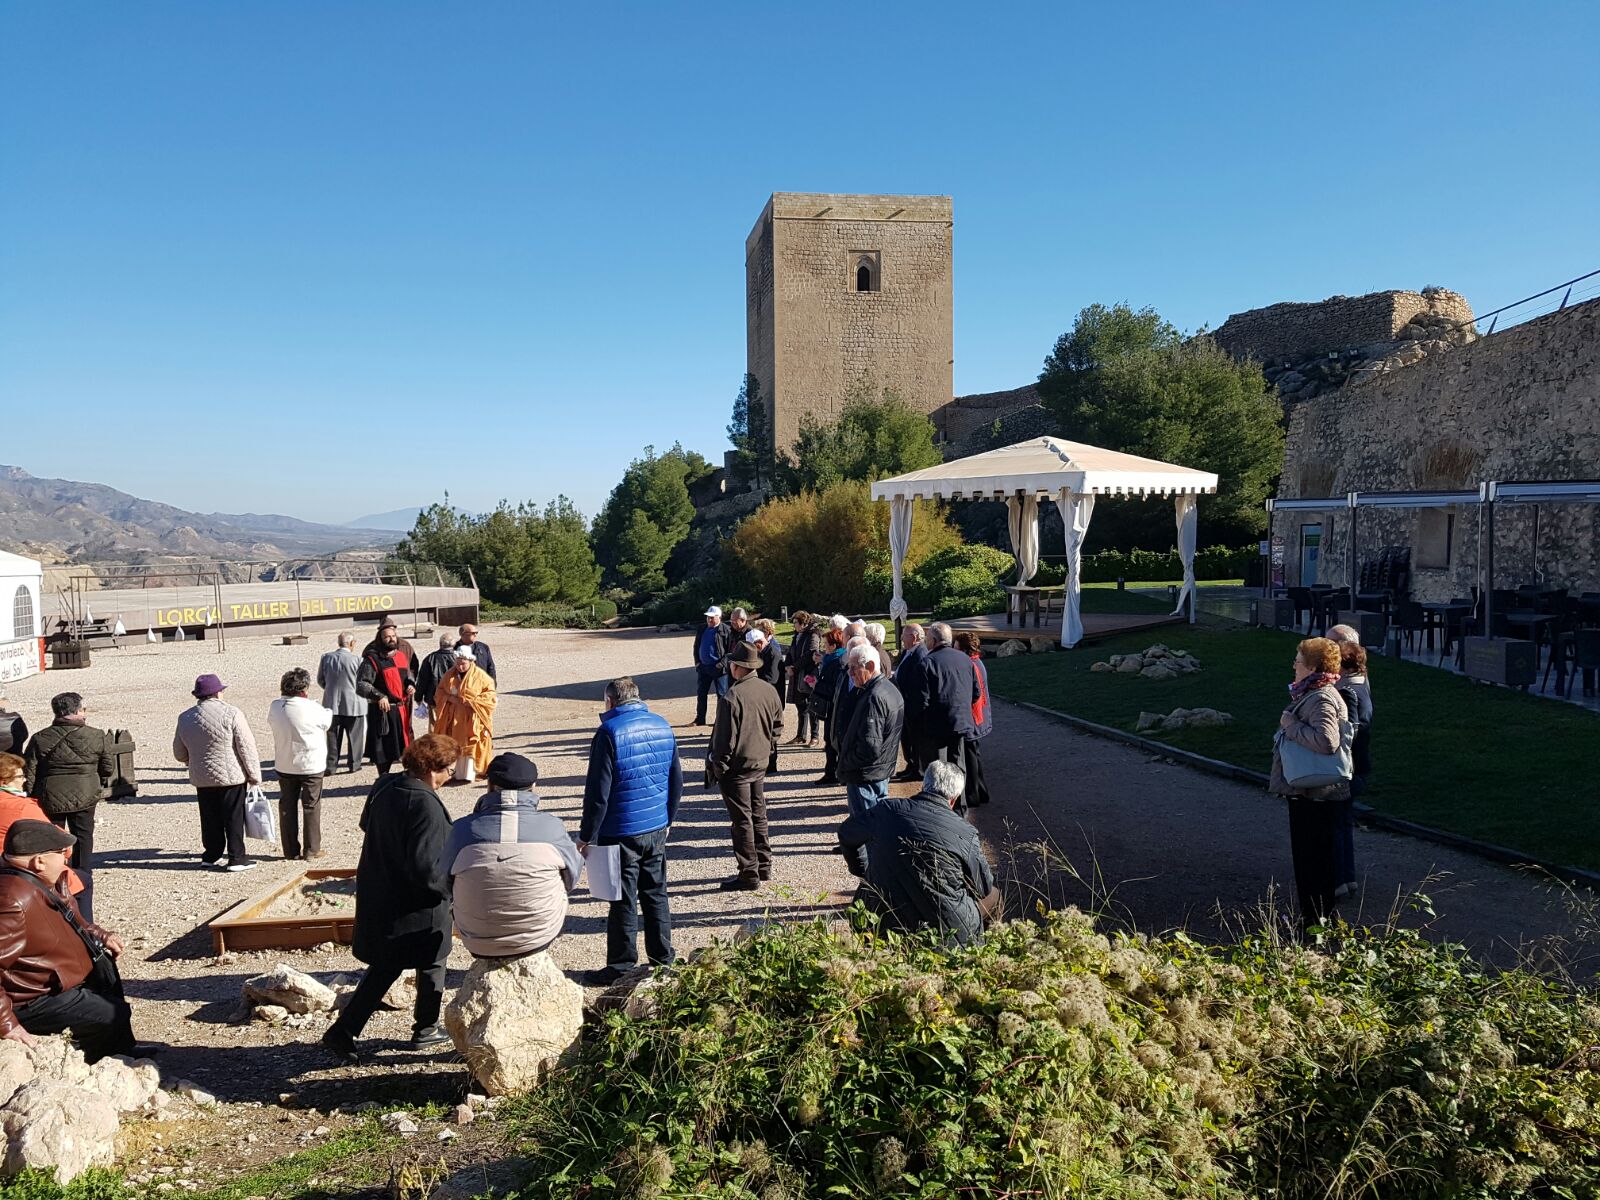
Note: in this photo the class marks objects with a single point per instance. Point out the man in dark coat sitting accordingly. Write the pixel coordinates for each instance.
(57, 971)
(402, 894)
(923, 865)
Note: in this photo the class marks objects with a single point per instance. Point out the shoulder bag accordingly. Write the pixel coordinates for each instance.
(1303, 768)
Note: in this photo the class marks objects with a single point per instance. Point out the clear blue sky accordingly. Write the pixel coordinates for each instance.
(329, 258)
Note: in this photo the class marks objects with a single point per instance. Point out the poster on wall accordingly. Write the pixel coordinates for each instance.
(19, 659)
(1277, 560)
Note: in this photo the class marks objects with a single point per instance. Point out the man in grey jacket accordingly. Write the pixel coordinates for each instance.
(510, 866)
(870, 746)
(336, 676)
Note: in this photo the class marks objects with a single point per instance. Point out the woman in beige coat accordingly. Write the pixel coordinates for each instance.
(1316, 719)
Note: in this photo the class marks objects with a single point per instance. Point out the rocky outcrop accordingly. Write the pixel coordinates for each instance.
(62, 1114)
(1182, 718)
(513, 1019)
(1153, 662)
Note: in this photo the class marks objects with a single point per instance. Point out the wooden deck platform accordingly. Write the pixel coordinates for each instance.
(992, 629)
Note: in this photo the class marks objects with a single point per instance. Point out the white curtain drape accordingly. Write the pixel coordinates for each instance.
(1076, 509)
(1022, 520)
(1188, 535)
(899, 543)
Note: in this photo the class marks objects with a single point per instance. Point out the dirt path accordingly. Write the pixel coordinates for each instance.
(1165, 845)
(150, 887)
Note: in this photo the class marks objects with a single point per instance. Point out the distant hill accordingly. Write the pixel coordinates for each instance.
(401, 520)
(67, 520)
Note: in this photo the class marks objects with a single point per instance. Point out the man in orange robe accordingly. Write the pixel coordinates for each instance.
(463, 708)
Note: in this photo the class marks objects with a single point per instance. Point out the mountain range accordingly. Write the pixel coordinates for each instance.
(61, 520)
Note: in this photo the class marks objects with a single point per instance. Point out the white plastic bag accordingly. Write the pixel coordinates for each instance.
(466, 769)
(259, 821)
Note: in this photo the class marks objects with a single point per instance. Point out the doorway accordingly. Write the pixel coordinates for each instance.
(1310, 553)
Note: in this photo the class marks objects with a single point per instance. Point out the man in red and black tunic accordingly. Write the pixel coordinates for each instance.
(387, 679)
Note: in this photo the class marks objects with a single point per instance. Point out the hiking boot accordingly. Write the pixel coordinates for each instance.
(740, 883)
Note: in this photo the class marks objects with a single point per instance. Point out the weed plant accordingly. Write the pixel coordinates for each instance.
(1056, 1061)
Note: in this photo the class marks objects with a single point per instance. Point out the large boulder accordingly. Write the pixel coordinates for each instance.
(512, 1020)
(289, 989)
(1131, 664)
(1011, 649)
(51, 1124)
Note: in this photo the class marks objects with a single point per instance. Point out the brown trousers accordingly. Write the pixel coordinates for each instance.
(297, 793)
(746, 799)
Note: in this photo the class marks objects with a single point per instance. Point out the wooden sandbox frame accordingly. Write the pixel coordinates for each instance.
(243, 927)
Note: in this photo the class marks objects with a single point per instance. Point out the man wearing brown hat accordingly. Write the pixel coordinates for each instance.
(57, 971)
(742, 743)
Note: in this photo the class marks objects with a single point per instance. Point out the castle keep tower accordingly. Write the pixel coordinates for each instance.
(840, 287)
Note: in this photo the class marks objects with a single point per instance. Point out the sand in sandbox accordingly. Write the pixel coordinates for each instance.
(316, 898)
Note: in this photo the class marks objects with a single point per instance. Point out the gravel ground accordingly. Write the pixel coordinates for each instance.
(1157, 843)
(150, 887)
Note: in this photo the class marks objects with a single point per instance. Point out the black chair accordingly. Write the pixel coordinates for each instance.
(1410, 621)
(1585, 658)
(1300, 597)
(1457, 627)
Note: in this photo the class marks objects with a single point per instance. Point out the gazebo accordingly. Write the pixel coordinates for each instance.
(1069, 473)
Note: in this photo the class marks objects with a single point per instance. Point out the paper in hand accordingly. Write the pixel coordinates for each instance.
(603, 866)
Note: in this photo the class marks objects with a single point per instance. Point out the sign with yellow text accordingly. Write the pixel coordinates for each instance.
(274, 610)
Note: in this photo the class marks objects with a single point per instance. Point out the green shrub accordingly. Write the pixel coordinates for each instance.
(559, 616)
(969, 604)
(957, 570)
(35, 1184)
(1053, 1060)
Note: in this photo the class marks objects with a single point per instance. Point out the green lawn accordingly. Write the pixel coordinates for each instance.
(1488, 762)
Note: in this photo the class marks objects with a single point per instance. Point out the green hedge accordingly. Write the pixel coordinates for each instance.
(1143, 566)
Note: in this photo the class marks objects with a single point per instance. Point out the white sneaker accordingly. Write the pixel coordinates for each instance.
(244, 866)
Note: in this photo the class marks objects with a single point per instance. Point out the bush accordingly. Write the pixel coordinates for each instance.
(1150, 566)
(830, 549)
(1054, 1060)
(969, 604)
(685, 604)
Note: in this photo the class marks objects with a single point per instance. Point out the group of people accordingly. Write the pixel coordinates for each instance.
(369, 700)
(867, 712)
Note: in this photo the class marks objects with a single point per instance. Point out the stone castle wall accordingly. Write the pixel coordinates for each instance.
(1523, 404)
(811, 335)
(1282, 333)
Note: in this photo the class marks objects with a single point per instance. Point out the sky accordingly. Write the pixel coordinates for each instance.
(331, 259)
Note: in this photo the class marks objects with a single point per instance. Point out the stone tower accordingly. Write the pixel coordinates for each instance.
(838, 288)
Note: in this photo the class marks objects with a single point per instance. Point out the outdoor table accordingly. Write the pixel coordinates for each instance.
(1441, 609)
(1380, 599)
(1023, 599)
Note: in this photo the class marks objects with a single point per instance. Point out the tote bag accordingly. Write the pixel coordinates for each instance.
(1304, 768)
(259, 822)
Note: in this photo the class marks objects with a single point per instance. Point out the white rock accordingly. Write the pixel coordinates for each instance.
(289, 989)
(1158, 671)
(448, 1135)
(1011, 649)
(16, 1068)
(270, 1014)
(513, 1020)
(1101, 668)
(127, 1084)
(51, 1124)
(1147, 720)
(402, 993)
(194, 1093)
(1131, 664)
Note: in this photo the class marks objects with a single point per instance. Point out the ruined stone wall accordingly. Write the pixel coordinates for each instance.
(967, 417)
(1282, 333)
(1523, 404)
(824, 334)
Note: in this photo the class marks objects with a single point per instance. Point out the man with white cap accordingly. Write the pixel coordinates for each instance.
(712, 642)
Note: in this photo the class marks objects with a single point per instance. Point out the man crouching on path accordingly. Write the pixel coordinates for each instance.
(741, 746)
(57, 971)
(630, 800)
(510, 866)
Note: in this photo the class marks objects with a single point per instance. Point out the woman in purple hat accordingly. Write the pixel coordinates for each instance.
(215, 741)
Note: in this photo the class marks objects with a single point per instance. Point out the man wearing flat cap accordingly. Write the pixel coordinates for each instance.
(510, 866)
(742, 743)
(58, 971)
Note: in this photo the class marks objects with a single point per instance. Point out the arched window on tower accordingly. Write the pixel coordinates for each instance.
(22, 613)
(866, 271)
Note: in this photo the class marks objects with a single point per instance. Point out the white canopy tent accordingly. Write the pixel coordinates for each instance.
(1069, 473)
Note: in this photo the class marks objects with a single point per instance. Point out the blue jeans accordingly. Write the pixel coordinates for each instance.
(862, 796)
(644, 887)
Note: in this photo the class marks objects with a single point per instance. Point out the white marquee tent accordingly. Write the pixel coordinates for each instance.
(21, 615)
(1070, 473)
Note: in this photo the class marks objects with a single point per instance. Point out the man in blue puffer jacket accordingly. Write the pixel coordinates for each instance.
(629, 800)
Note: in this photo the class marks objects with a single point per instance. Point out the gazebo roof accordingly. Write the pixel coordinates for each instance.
(1043, 467)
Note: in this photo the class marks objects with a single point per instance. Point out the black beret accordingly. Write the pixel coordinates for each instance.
(26, 838)
(512, 772)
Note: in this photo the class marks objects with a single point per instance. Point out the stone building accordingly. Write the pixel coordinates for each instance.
(1519, 405)
(842, 288)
